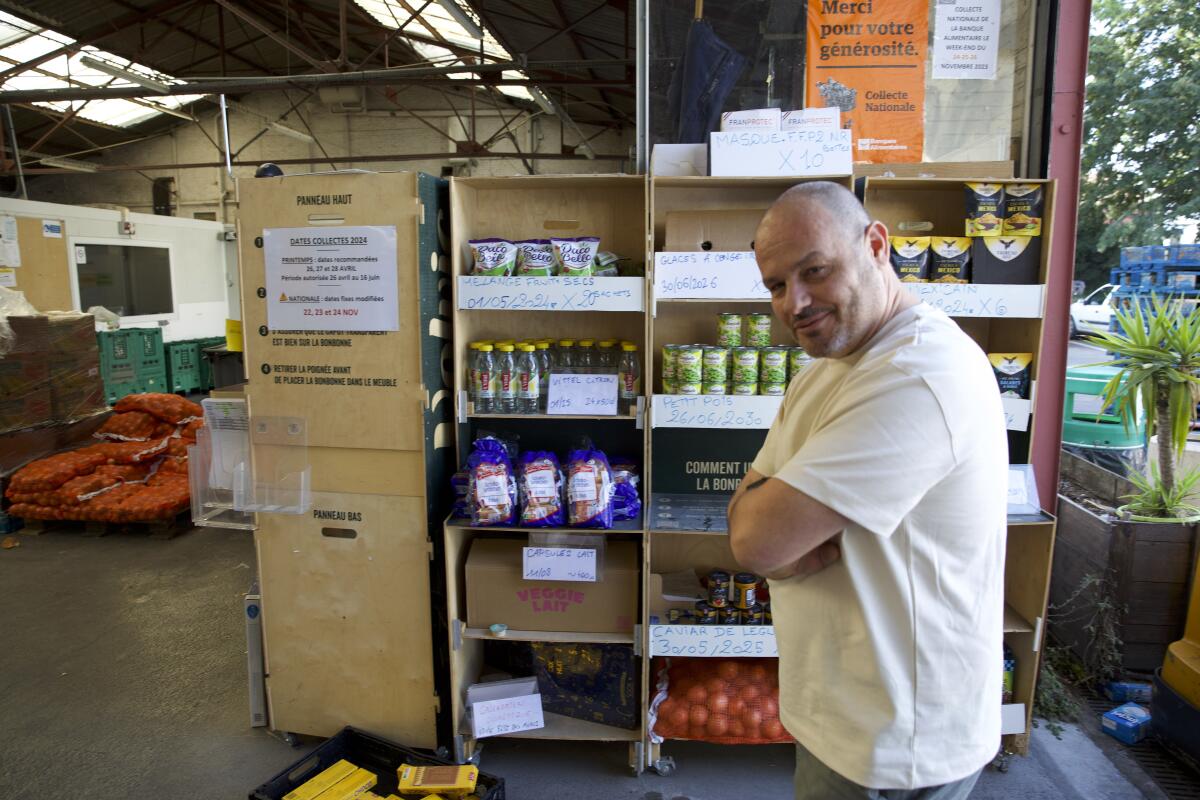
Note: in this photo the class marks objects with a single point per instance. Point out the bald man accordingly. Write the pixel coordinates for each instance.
(877, 509)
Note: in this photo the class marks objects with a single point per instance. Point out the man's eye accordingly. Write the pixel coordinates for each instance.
(814, 272)
(775, 289)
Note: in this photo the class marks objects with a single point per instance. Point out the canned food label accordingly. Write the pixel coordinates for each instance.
(745, 389)
(688, 388)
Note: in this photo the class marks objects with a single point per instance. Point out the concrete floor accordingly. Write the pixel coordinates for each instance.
(122, 675)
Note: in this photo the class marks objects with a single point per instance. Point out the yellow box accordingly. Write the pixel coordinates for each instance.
(351, 787)
(311, 788)
(450, 782)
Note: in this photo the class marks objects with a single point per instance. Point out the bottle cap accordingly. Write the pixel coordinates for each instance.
(586, 342)
(506, 348)
(629, 347)
(543, 345)
(607, 343)
(486, 348)
(527, 348)
(566, 342)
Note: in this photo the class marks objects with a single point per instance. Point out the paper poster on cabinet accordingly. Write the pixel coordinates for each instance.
(868, 59)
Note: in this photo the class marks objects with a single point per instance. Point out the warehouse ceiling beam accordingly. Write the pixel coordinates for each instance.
(562, 14)
(398, 31)
(91, 36)
(361, 159)
(333, 22)
(55, 115)
(541, 22)
(262, 27)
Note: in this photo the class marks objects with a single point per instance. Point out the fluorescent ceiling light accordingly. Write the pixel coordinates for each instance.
(543, 101)
(69, 163)
(124, 74)
(460, 16)
(279, 127)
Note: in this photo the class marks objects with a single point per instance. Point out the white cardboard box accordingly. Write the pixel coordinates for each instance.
(679, 160)
(811, 118)
(755, 119)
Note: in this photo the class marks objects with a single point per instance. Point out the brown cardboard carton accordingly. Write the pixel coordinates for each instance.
(497, 594)
(727, 230)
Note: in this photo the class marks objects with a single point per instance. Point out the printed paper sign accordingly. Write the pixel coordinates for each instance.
(730, 412)
(808, 151)
(511, 715)
(982, 299)
(8, 277)
(331, 279)
(1018, 492)
(966, 39)
(705, 275)
(582, 395)
(812, 118)
(52, 228)
(558, 563)
(10, 248)
(713, 641)
(1016, 413)
(521, 293)
(80, 254)
(868, 59)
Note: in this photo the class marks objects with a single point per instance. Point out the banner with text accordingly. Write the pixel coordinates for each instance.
(868, 59)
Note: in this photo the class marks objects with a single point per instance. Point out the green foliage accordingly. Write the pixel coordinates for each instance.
(1141, 137)
(1055, 700)
(1153, 501)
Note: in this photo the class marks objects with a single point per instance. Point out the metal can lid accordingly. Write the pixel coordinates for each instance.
(745, 577)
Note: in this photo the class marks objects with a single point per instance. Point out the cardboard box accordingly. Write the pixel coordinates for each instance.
(660, 604)
(1006, 259)
(496, 592)
(679, 160)
(811, 118)
(756, 119)
(1129, 723)
(69, 334)
(29, 409)
(727, 230)
(21, 373)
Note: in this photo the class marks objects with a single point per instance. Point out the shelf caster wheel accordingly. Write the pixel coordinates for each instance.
(1000, 762)
(665, 766)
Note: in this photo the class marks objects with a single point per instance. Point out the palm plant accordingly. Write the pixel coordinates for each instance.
(1157, 354)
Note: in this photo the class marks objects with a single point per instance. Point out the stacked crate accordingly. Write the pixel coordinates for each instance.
(1158, 271)
(132, 361)
(52, 371)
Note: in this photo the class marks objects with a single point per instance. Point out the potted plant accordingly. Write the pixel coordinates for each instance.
(1157, 356)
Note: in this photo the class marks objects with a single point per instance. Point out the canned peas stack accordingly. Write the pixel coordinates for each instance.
(740, 598)
(739, 364)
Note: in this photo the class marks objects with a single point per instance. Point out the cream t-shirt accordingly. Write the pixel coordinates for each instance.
(891, 659)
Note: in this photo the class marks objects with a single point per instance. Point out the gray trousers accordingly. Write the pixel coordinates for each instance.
(815, 781)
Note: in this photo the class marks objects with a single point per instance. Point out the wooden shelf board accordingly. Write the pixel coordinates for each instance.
(1029, 519)
(712, 300)
(689, 532)
(1014, 622)
(624, 526)
(721, 181)
(544, 417)
(566, 637)
(574, 730)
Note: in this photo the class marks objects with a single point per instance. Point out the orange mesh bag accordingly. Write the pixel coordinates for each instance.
(726, 701)
(126, 472)
(156, 502)
(188, 431)
(166, 407)
(179, 447)
(162, 429)
(132, 452)
(47, 474)
(105, 507)
(131, 426)
(78, 490)
(173, 465)
(30, 511)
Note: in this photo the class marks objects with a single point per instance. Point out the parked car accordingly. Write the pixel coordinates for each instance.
(1092, 314)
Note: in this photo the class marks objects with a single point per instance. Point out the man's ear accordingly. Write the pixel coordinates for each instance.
(878, 247)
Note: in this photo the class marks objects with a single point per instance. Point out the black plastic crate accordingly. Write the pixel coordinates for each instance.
(372, 753)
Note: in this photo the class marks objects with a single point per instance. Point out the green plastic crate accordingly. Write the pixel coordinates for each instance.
(118, 367)
(146, 345)
(183, 362)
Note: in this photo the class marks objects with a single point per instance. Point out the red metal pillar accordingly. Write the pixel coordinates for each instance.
(1066, 125)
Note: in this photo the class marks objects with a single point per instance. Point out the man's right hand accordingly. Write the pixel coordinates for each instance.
(810, 563)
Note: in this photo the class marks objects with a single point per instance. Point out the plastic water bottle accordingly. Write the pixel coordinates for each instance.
(506, 371)
(529, 381)
(585, 356)
(607, 356)
(485, 376)
(629, 378)
(566, 356)
(473, 373)
(545, 366)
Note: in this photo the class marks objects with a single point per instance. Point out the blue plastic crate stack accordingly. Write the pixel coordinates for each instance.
(1161, 270)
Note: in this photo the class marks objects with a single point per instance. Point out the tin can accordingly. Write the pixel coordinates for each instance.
(744, 368)
(798, 359)
(716, 365)
(730, 616)
(745, 389)
(689, 364)
(767, 614)
(674, 615)
(668, 387)
(718, 588)
(705, 614)
(772, 389)
(689, 388)
(744, 585)
(754, 615)
(729, 330)
(773, 365)
(758, 330)
(715, 388)
(669, 354)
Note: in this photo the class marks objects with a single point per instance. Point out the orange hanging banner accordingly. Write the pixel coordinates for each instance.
(868, 59)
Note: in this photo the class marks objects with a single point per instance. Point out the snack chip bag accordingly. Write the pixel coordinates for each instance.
(910, 258)
(605, 265)
(540, 484)
(1013, 373)
(492, 494)
(575, 257)
(493, 256)
(589, 490)
(985, 209)
(1023, 209)
(535, 257)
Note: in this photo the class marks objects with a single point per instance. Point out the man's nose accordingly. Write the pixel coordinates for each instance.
(797, 298)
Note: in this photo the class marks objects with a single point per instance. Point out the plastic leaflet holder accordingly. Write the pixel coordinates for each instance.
(241, 465)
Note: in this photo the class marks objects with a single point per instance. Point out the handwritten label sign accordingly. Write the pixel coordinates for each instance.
(1018, 490)
(713, 641)
(808, 151)
(520, 293)
(582, 395)
(731, 412)
(510, 715)
(558, 564)
(1016, 413)
(982, 299)
(711, 275)
(332, 279)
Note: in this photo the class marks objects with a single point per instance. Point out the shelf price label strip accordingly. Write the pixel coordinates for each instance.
(518, 293)
(729, 412)
(708, 276)
(713, 641)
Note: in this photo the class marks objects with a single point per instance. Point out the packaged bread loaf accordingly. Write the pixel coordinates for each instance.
(589, 490)
(540, 484)
(492, 491)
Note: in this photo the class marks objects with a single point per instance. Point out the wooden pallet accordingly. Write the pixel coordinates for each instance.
(159, 529)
